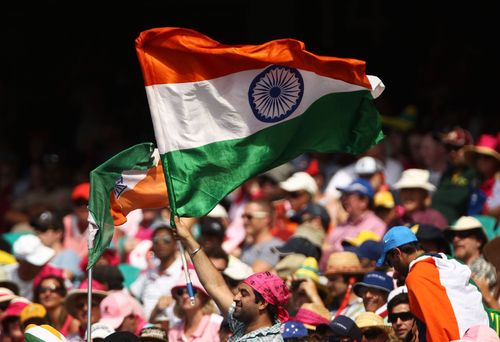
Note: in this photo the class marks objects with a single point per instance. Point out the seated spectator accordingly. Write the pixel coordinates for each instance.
(117, 311)
(342, 329)
(50, 292)
(385, 207)
(372, 170)
(357, 200)
(374, 290)
(235, 272)
(431, 238)
(76, 304)
(400, 316)
(76, 222)
(368, 253)
(199, 322)
(373, 327)
(258, 221)
(10, 322)
(468, 238)
(414, 193)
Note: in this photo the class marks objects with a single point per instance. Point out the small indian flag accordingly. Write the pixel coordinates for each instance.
(42, 333)
(130, 180)
(223, 114)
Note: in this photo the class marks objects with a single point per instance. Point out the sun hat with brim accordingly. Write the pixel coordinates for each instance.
(367, 320)
(114, 308)
(375, 280)
(6, 295)
(395, 237)
(300, 181)
(312, 315)
(237, 269)
(487, 144)
(98, 292)
(415, 179)
(181, 282)
(467, 223)
(344, 263)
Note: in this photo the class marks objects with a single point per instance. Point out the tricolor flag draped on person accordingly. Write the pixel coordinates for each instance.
(42, 333)
(132, 179)
(225, 113)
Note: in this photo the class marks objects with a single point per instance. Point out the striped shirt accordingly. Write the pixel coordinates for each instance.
(267, 334)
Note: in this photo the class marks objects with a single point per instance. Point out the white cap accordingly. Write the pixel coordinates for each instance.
(396, 291)
(100, 330)
(300, 181)
(237, 269)
(367, 166)
(30, 248)
(218, 212)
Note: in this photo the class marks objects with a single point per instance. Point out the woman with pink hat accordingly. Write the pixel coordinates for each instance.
(199, 321)
(485, 156)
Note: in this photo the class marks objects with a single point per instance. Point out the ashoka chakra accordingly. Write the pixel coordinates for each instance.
(276, 93)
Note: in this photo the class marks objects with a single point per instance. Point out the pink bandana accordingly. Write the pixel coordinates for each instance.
(308, 317)
(273, 289)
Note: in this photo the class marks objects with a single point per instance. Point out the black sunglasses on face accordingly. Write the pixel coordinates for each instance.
(183, 290)
(404, 316)
(51, 289)
(463, 234)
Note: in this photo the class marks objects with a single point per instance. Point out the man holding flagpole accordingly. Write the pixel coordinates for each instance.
(256, 310)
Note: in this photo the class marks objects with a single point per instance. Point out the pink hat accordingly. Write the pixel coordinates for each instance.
(15, 307)
(46, 272)
(98, 292)
(114, 308)
(480, 333)
(181, 282)
(486, 144)
(273, 289)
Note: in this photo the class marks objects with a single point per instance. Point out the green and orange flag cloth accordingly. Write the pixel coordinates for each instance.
(225, 113)
(132, 179)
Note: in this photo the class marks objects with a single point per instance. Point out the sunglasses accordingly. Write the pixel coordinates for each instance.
(255, 214)
(164, 239)
(294, 194)
(463, 234)
(404, 316)
(51, 289)
(81, 304)
(372, 333)
(183, 290)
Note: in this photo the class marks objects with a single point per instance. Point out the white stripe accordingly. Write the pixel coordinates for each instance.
(130, 178)
(44, 334)
(467, 304)
(189, 115)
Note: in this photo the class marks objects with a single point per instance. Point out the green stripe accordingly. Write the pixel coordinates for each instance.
(31, 338)
(102, 182)
(340, 122)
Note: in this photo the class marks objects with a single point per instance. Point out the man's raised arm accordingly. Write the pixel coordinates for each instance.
(209, 276)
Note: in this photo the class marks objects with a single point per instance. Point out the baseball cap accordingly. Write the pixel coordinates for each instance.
(32, 310)
(359, 186)
(395, 237)
(367, 166)
(100, 330)
(293, 329)
(376, 280)
(153, 333)
(237, 269)
(218, 212)
(30, 248)
(81, 191)
(114, 308)
(310, 211)
(384, 199)
(370, 249)
(300, 181)
(298, 245)
(211, 226)
(397, 291)
(342, 326)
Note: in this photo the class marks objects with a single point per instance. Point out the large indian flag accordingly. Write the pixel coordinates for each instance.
(130, 180)
(223, 114)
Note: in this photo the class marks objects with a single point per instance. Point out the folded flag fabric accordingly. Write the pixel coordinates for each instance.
(225, 113)
(42, 333)
(132, 179)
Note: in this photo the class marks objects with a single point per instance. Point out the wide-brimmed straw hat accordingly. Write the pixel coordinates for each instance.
(344, 263)
(367, 320)
(98, 292)
(487, 144)
(415, 178)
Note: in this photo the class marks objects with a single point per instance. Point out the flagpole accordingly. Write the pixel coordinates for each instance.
(89, 305)
(189, 284)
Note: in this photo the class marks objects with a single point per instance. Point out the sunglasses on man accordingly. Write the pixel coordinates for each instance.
(404, 316)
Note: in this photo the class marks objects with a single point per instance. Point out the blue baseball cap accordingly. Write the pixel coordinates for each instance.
(342, 326)
(395, 237)
(370, 249)
(359, 186)
(292, 329)
(376, 280)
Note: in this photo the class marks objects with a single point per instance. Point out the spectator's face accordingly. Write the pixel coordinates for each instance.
(336, 285)
(431, 151)
(80, 209)
(298, 199)
(373, 298)
(129, 324)
(401, 320)
(163, 244)
(208, 241)
(255, 219)
(353, 203)
(81, 309)
(412, 199)
(465, 245)
(487, 165)
(50, 293)
(246, 309)
(50, 237)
